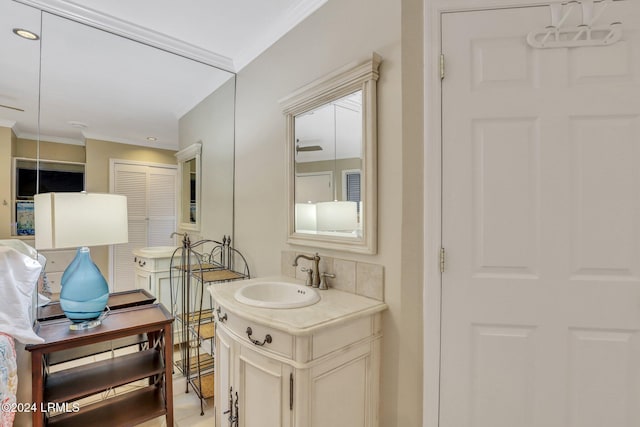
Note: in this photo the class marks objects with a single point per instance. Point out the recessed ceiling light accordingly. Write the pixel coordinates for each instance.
(25, 34)
(152, 138)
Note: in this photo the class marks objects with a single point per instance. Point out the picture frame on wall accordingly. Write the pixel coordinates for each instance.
(24, 218)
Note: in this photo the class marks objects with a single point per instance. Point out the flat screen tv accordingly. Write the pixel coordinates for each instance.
(54, 177)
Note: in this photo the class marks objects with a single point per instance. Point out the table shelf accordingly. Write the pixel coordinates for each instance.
(81, 381)
(126, 409)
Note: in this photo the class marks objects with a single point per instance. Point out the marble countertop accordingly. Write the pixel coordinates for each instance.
(334, 307)
(155, 252)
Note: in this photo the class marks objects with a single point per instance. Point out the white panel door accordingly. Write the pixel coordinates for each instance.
(314, 187)
(541, 224)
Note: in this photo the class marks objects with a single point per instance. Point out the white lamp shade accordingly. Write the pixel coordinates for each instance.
(69, 220)
(306, 216)
(337, 216)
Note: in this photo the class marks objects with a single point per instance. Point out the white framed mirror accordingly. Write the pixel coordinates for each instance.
(332, 158)
(189, 187)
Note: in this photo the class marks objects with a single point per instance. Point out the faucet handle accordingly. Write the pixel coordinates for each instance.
(323, 282)
(309, 272)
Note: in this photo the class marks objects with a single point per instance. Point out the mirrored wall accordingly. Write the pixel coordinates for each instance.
(80, 94)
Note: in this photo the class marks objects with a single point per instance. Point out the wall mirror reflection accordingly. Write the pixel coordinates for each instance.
(331, 131)
(189, 190)
(190, 199)
(328, 168)
(121, 110)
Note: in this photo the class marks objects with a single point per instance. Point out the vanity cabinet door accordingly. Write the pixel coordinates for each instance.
(153, 276)
(264, 387)
(223, 377)
(143, 281)
(342, 391)
(163, 283)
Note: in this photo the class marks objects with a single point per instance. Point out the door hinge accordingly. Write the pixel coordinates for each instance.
(441, 260)
(441, 66)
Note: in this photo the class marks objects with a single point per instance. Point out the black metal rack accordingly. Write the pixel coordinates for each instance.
(194, 265)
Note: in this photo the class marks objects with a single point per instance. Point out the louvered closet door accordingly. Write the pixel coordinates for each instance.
(162, 206)
(151, 192)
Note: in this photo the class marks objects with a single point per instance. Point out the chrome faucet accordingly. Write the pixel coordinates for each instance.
(315, 272)
(323, 282)
(185, 238)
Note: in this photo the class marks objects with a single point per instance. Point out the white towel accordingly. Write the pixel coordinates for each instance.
(18, 281)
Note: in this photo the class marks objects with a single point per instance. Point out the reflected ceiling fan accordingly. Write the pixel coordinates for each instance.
(300, 148)
(11, 108)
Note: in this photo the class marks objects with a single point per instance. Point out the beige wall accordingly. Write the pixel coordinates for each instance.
(99, 154)
(337, 34)
(410, 371)
(49, 151)
(6, 146)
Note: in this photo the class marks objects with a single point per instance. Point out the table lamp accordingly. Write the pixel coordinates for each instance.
(306, 217)
(338, 215)
(69, 220)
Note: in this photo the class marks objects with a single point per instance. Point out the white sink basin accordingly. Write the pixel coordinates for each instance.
(274, 294)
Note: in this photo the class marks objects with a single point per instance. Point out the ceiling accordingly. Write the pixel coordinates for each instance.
(95, 82)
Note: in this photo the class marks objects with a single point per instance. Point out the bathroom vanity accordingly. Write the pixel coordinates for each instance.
(311, 366)
(152, 267)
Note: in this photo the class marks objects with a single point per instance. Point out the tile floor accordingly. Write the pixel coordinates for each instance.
(186, 409)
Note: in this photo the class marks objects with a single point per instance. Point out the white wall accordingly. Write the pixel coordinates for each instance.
(339, 33)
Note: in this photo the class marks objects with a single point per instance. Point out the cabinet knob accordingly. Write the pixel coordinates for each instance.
(222, 318)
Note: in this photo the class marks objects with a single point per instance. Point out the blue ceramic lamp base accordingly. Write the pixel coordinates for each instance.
(84, 293)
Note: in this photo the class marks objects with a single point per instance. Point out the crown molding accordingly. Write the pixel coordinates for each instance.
(131, 31)
(49, 138)
(7, 123)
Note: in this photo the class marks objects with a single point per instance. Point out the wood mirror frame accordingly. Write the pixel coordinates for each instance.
(345, 81)
(186, 220)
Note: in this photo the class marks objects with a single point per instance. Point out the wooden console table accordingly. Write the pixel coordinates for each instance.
(57, 389)
(116, 301)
